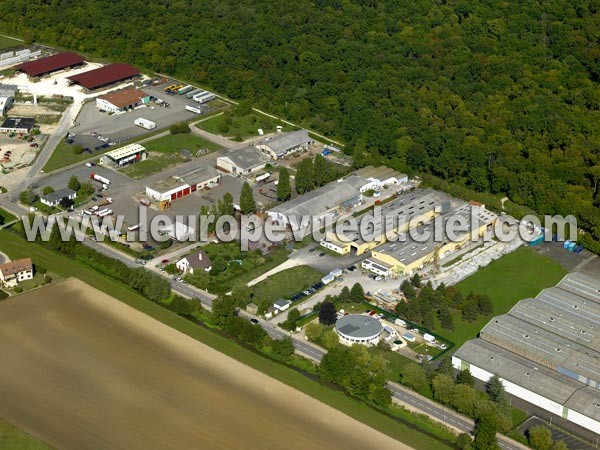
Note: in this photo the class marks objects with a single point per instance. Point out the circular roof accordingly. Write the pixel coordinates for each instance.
(358, 326)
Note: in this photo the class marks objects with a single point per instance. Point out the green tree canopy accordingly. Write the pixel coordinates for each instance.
(284, 191)
(247, 203)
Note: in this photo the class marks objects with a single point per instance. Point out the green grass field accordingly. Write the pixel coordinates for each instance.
(242, 127)
(165, 151)
(63, 156)
(11, 438)
(519, 275)
(6, 217)
(6, 42)
(17, 247)
(285, 284)
(177, 142)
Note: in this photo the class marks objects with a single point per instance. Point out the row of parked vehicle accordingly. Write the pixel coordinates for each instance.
(311, 290)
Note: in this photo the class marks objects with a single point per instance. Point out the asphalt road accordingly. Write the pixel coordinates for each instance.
(415, 400)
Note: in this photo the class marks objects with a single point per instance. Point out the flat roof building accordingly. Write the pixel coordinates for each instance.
(49, 64)
(397, 216)
(8, 90)
(545, 350)
(125, 155)
(122, 100)
(105, 76)
(421, 245)
(281, 144)
(244, 161)
(358, 329)
(17, 125)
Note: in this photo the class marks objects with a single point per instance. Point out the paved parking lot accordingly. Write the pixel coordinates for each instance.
(572, 441)
(119, 127)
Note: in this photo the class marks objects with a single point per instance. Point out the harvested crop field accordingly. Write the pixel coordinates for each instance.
(81, 370)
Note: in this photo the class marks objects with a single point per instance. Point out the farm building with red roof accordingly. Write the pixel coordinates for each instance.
(105, 76)
(49, 64)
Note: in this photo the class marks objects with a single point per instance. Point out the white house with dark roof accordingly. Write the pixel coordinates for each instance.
(196, 261)
(54, 198)
(281, 305)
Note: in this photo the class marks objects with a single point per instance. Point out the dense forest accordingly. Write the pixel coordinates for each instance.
(497, 96)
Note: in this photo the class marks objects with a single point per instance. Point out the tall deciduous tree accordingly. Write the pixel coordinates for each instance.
(486, 427)
(357, 294)
(247, 203)
(74, 183)
(284, 190)
(319, 171)
(304, 176)
(226, 205)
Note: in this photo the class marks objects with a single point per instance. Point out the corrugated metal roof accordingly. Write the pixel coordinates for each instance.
(105, 75)
(50, 64)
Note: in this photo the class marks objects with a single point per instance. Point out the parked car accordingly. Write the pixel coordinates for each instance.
(164, 261)
(321, 254)
(254, 321)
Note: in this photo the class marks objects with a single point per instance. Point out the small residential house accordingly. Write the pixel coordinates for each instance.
(196, 261)
(13, 272)
(281, 305)
(54, 198)
(252, 308)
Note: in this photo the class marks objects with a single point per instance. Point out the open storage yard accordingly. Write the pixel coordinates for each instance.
(160, 389)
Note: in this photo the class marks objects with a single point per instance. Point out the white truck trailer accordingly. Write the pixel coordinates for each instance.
(185, 90)
(145, 123)
(204, 98)
(193, 109)
(99, 178)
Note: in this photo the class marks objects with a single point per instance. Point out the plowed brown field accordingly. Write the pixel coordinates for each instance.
(81, 370)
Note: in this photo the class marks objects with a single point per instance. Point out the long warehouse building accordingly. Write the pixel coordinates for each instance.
(50, 64)
(105, 76)
(546, 350)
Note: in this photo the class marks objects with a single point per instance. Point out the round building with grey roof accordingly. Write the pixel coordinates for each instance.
(358, 329)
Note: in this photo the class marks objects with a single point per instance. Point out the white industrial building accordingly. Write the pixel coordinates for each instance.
(358, 329)
(244, 161)
(202, 177)
(281, 144)
(122, 100)
(125, 155)
(546, 350)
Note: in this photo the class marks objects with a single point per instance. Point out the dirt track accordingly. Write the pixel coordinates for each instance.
(81, 370)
